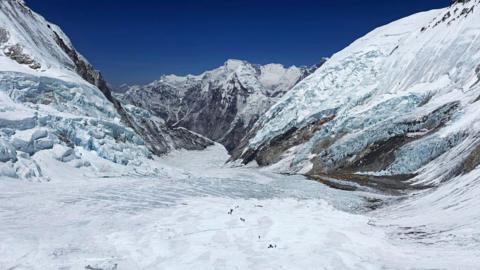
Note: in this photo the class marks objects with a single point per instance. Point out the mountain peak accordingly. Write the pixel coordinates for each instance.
(233, 64)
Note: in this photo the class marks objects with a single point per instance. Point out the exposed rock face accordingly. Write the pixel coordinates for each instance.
(4, 36)
(472, 160)
(16, 53)
(160, 137)
(460, 1)
(83, 68)
(272, 151)
(222, 104)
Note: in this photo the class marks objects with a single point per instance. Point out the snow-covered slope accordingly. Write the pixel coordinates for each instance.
(401, 101)
(221, 104)
(55, 108)
(30, 44)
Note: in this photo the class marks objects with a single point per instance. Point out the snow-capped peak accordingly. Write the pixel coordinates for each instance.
(270, 77)
(234, 64)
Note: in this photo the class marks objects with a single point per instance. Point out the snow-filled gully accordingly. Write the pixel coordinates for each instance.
(209, 216)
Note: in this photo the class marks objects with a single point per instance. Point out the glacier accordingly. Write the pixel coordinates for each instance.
(47, 114)
(83, 184)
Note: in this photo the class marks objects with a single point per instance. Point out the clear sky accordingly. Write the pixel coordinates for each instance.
(136, 41)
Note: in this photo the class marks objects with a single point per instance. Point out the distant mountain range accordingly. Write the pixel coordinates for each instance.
(221, 104)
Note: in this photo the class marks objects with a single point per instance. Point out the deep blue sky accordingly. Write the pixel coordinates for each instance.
(135, 41)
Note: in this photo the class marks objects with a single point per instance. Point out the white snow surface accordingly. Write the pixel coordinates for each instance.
(414, 68)
(199, 214)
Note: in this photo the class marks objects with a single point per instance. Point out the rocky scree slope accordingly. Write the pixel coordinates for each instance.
(55, 106)
(401, 102)
(221, 104)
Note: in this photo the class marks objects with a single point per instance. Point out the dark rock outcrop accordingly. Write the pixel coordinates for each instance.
(16, 53)
(472, 160)
(271, 152)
